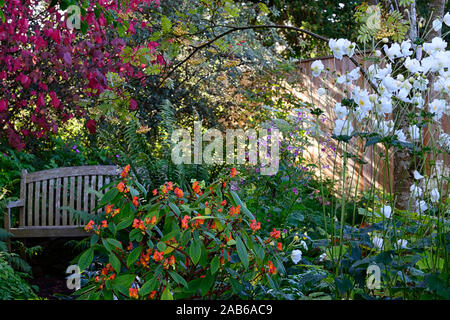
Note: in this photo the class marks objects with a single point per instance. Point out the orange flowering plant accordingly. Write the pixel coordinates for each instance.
(175, 244)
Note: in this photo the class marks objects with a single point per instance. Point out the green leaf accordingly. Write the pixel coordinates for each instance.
(108, 197)
(295, 218)
(214, 265)
(86, 259)
(115, 262)
(148, 287)
(166, 295)
(134, 255)
(178, 279)
(195, 251)
(242, 251)
(161, 246)
(2, 16)
(175, 208)
(166, 24)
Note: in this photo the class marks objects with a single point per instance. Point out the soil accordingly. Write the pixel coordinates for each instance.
(49, 267)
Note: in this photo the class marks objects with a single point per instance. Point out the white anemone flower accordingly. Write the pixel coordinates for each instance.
(437, 25)
(401, 244)
(400, 135)
(316, 68)
(447, 19)
(386, 211)
(296, 256)
(416, 191)
(378, 242)
(436, 44)
(414, 133)
(341, 111)
(417, 175)
(421, 206)
(343, 128)
(434, 195)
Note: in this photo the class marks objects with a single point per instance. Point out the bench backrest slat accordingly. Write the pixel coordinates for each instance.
(46, 192)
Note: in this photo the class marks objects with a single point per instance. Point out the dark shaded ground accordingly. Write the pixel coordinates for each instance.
(49, 267)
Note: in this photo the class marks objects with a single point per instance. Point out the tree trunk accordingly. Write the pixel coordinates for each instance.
(404, 167)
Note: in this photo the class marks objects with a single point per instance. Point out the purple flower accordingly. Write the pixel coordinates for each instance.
(117, 156)
(294, 190)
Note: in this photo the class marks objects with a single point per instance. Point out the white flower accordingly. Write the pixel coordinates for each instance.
(434, 195)
(296, 256)
(413, 65)
(417, 175)
(322, 257)
(304, 245)
(437, 44)
(406, 48)
(341, 47)
(438, 107)
(343, 128)
(400, 135)
(447, 19)
(341, 111)
(420, 84)
(421, 206)
(414, 133)
(321, 91)
(391, 84)
(416, 191)
(437, 25)
(401, 244)
(386, 211)
(419, 101)
(384, 105)
(378, 53)
(316, 68)
(393, 52)
(377, 242)
(383, 128)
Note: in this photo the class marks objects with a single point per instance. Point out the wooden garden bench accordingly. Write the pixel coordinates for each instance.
(44, 193)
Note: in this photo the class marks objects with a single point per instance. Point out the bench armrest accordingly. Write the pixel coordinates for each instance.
(15, 204)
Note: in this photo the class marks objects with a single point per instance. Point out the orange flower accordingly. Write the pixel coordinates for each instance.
(133, 293)
(169, 186)
(223, 203)
(109, 208)
(275, 233)
(172, 260)
(254, 225)
(104, 224)
(116, 211)
(89, 226)
(235, 211)
(155, 192)
(135, 201)
(178, 192)
(138, 224)
(125, 171)
(196, 187)
(153, 221)
(271, 267)
(121, 186)
(233, 172)
(130, 246)
(164, 189)
(158, 256)
(184, 222)
(280, 246)
(152, 294)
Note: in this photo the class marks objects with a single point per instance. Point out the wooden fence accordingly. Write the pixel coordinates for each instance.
(361, 175)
